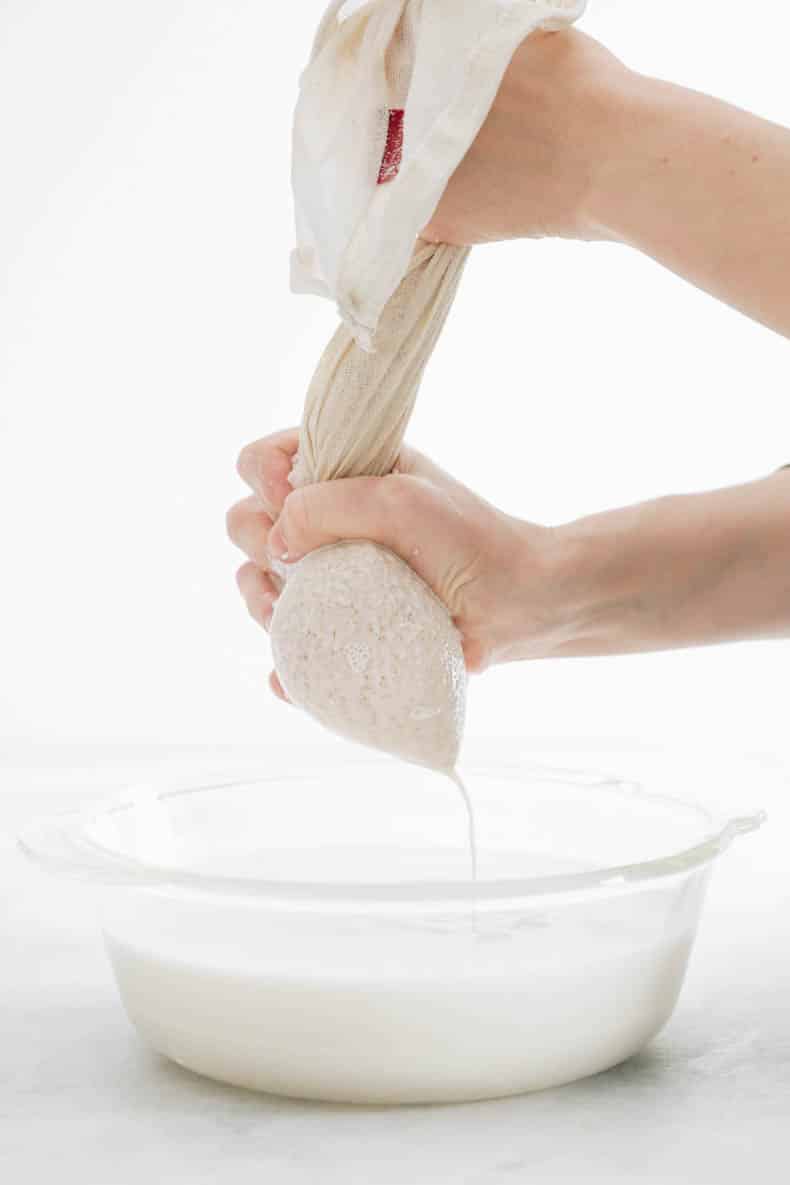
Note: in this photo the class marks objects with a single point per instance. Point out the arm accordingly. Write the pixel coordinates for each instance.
(680, 571)
(704, 188)
(576, 145)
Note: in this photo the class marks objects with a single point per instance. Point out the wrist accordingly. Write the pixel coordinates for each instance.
(592, 577)
(563, 595)
(638, 578)
(606, 581)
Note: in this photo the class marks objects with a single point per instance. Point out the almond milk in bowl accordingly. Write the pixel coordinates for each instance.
(319, 934)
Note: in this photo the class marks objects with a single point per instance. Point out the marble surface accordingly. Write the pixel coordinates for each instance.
(81, 1099)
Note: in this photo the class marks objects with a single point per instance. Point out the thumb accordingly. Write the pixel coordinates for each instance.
(405, 513)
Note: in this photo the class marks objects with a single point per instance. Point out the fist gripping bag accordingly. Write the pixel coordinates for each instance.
(394, 93)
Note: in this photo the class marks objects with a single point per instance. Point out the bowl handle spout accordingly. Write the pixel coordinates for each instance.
(56, 846)
(741, 825)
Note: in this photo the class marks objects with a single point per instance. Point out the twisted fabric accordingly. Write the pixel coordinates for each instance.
(359, 403)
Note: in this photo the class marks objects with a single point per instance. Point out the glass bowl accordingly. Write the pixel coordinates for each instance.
(317, 933)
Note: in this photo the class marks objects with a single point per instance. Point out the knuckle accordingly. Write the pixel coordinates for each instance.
(397, 497)
(233, 521)
(407, 461)
(298, 514)
(243, 461)
(441, 229)
(249, 463)
(245, 577)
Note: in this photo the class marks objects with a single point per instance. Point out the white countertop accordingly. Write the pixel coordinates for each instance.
(81, 1099)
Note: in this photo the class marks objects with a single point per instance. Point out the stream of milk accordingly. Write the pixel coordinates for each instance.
(457, 781)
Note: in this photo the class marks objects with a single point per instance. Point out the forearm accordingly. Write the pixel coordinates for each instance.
(702, 187)
(681, 571)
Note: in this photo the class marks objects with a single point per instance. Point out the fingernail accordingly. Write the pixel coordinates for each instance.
(277, 545)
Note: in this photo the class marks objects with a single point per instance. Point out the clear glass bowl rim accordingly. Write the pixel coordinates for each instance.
(59, 844)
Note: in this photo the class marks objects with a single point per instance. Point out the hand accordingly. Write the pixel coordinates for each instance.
(531, 168)
(679, 571)
(578, 146)
(493, 572)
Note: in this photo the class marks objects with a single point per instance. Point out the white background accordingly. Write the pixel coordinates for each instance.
(148, 332)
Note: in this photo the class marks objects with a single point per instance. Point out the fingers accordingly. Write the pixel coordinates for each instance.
(265, 465)
(411, 461)
(416, 464)
(259, 591)
(277, 687)
(428, 234)
(419, 512)
(437, 232)
(248, 526)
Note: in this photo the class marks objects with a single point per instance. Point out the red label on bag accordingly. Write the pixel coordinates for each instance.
(393, 149)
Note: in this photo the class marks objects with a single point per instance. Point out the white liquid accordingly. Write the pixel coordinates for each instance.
(394, 1008)
(470, 818)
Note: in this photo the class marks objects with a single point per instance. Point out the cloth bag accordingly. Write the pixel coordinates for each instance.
(359, 641)
(389, 102)
(392, 96)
